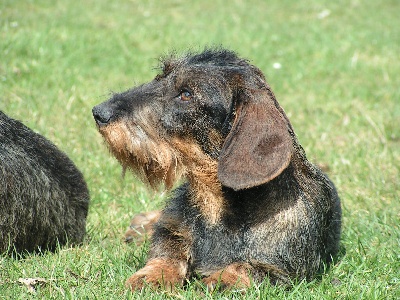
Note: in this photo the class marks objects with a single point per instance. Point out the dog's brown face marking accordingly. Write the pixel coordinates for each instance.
(150, 157)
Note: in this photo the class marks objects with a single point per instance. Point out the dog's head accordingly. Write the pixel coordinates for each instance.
(218, 103)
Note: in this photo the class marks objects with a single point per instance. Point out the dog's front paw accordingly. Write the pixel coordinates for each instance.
(235, 275)
(158, 273)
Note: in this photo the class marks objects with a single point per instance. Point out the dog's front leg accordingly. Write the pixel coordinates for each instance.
(167, 265)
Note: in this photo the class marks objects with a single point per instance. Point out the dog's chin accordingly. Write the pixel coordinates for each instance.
(153, 162)
(155, 175)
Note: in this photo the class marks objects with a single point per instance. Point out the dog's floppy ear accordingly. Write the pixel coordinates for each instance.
(258, 147)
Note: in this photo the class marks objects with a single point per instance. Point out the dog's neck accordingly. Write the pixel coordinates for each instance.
(201, 172)
(207, 191)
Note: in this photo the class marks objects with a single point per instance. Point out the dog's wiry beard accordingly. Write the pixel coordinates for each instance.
(144, 152)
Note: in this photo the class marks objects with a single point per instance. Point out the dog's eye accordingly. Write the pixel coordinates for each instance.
(185, 95)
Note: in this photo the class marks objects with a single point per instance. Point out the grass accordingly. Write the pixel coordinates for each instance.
(338, 82)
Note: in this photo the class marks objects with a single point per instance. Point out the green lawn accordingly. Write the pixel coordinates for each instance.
(338, 81)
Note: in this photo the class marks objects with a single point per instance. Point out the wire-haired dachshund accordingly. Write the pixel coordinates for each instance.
(250, 204)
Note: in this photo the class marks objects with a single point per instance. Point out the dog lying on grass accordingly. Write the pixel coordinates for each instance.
(251, 205)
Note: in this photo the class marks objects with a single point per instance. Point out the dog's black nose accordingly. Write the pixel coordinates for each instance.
(102, 114)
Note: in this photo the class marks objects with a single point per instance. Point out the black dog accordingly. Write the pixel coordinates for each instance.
(43, 196)
(252, 205)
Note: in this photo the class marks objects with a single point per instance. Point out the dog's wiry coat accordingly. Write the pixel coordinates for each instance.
(252, 205)
(43, 196)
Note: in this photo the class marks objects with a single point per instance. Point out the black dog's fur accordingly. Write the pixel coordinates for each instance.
(43, 196)
(252, 205)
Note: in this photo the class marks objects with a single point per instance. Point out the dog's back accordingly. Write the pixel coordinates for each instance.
(43, 196)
